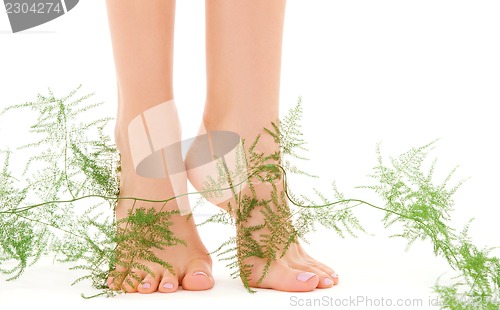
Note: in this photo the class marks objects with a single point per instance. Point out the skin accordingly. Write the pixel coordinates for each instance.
(243, 50)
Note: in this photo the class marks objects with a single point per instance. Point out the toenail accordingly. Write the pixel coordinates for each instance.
(303, 277)
(145, 285)
(168, 285)
(200, 273)
(334, 275)
(328, 281)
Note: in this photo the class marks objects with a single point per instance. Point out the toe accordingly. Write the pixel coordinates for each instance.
(335, 278)
(168, 283)
(115, 278)
(198, 276)
(109, 282)
(131, 282)
(329, 271)
(284, 278)
(149, 284)
(325, 279)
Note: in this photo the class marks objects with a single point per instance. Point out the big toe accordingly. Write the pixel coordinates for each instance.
(198, 276)
(325, 280)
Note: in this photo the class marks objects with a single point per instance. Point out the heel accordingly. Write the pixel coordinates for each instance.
(216, 165)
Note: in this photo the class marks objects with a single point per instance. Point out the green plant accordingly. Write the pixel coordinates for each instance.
(74, 173)
(64, 206)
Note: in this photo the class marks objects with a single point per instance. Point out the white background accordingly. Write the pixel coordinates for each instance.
(398, 72)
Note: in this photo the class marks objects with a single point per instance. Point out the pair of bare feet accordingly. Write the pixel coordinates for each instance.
(243, 57)
(296, 271)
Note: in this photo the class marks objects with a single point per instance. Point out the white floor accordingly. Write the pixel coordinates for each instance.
(373, 271)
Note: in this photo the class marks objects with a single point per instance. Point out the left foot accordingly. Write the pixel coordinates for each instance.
(294, 271)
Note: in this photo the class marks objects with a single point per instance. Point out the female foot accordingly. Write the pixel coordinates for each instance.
(291, 268)
(142, 39)
(244, 45)
(190, 263)
(269, 254)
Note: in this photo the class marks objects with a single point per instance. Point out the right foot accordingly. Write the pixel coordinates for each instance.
(191, 262)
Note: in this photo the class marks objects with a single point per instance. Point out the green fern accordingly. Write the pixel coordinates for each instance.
(21, 243)
(142, 231)
(74, 172)
(410, 200)
(64, 206)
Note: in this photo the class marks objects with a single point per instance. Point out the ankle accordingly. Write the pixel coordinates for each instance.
(248, 127)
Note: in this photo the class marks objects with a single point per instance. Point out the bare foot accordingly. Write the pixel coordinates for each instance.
(190, 261)
(293, 271)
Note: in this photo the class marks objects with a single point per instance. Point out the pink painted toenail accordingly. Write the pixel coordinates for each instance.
(168, 285)
(200, 273)
(328, 281)
(303, 277)
(334, 275)
(145, 285)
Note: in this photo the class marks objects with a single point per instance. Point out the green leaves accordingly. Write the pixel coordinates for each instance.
(64, 206)
(139, 234)
(21, 244)
(411, 201)
(74, 173)
(67, 164)
(424, 211)
(411, 198)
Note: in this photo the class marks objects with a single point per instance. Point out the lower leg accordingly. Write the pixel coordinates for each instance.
(244, 42)
(142, 37)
